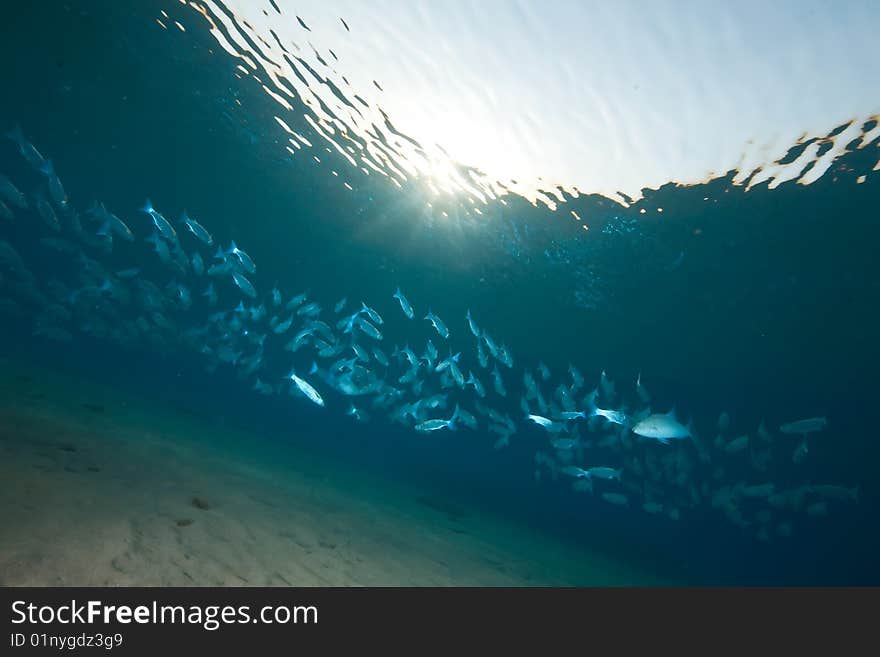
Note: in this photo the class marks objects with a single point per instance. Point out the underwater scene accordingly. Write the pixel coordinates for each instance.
(388, 293)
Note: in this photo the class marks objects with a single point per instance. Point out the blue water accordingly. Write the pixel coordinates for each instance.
(760, 303)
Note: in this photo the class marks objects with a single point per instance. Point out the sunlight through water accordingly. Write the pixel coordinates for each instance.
(549, 101)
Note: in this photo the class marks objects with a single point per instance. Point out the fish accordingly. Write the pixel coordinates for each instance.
(360, 353)
(472, 325)
(369, 329)
(615, 417)
(12, 194)
(375, 317)
(283, 326)
(306, 388)
(577, 379)
(263, 388)
(56, 190)
(435, 424)
(47, 214)
(802, 427)
(198, 264)
(210, 295)
(244, 285)
(28, 151)
(438, 324)
(543, 371)
(161, 223)
(197, 229)
(564, 443)
(380, 357)
(652, 507)
(296, 301)
(505, 356)
(112, 223)
(482, 358)
(616, 498)
(404, 304)
(498, 382)
(541, 420)
(475, 382)
(832, 492)
(309, 310)
(737, 444)
(758, 490)
(243, 258)
(603, 472)
(662, 427)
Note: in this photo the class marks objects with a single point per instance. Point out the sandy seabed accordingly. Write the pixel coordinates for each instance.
(100, 489)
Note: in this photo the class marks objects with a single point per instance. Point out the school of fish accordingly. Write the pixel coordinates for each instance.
(165, 283)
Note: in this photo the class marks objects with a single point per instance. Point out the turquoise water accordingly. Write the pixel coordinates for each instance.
(760, 304)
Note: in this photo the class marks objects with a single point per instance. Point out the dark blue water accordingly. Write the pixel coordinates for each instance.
(762, 304)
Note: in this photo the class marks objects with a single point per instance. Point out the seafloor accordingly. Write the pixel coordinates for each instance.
(104, 488)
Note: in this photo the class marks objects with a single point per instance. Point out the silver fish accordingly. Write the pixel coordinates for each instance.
(197, 229)
(162, 224)
(438, 324)
(306, 388)
(244, 285)
(404, 304)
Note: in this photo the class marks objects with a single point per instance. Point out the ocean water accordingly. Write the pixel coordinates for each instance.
(734, 293)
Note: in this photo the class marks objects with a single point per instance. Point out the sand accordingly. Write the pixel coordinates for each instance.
(119, 492)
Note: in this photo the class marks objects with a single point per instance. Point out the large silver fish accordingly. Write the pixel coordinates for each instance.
(306, 388)
(662, 427)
